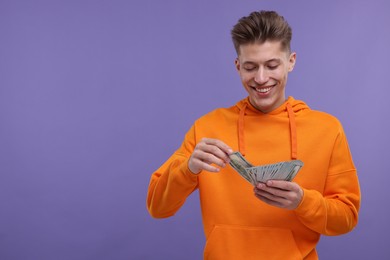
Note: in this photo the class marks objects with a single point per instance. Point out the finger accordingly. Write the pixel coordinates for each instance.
(271, 192)
(271, 202)
(284, 185)
(207, 167)
(209, 157)
(210, 152)
(196, 165)
(221, 145)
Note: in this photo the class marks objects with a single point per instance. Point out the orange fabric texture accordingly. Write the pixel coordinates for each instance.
(237, 225)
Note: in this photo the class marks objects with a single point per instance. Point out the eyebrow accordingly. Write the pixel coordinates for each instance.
(267, 61)
(274, 60)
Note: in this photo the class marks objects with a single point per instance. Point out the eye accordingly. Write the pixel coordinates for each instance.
(249, 69)
(273, 67)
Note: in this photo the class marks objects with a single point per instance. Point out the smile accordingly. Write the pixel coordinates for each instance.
(263, 90)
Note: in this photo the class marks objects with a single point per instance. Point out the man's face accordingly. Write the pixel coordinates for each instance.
(263, 69)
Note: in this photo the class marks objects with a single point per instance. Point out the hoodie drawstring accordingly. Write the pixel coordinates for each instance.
(241, 141)
(293, 131)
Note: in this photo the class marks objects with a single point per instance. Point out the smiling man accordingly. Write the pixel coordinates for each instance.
(277, 219)
(263, 69)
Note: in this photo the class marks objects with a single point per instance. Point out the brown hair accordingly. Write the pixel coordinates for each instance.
(261, 26)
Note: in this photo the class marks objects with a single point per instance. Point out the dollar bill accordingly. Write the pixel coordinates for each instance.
(277, 171)
(238, 162)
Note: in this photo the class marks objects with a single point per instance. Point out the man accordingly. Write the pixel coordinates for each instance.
(277, 219)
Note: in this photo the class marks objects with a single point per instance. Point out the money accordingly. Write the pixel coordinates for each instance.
(277, 171)
(238, 162)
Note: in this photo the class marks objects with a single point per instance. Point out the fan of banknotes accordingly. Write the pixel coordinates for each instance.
(254, 174)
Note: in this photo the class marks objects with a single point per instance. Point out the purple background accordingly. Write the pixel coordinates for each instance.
(95, 95)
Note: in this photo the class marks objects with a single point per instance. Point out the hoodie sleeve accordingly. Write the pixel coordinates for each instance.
(173, 182)
(334, 212)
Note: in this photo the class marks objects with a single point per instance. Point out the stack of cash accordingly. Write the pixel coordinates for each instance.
(254, 174)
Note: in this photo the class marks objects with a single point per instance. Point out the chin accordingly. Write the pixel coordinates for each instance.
(264, 105)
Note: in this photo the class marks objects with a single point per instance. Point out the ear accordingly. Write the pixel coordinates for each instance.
(237, 64)
(292, 59)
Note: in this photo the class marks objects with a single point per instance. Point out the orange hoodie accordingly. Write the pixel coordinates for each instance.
(237, 225)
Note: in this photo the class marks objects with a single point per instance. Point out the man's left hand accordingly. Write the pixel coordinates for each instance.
(282, 194)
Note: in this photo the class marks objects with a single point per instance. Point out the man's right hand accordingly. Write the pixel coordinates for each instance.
(208, 152)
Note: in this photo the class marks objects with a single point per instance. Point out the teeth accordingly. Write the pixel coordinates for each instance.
(263, 90)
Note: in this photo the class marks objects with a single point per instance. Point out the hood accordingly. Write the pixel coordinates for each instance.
(290, 108)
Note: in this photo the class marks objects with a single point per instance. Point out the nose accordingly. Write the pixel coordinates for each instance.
(261, 76)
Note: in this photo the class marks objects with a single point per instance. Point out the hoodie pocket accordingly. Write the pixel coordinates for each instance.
(240, 242)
